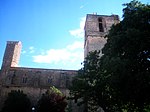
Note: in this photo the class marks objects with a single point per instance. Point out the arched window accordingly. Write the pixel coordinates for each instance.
(24, 79)
(49, 80)
(100, 25)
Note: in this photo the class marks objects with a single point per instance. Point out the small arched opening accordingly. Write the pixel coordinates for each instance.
(100, 22)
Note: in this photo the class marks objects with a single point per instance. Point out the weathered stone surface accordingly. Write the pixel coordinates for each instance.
(34, 77)
(96, 28)
(12, 54)
(35, 81)
(32, 81)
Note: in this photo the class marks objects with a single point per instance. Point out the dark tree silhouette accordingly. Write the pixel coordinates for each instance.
(52, 101)
(120, 79)
(17, 101)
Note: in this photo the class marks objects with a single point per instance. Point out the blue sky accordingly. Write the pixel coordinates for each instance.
(51, 31)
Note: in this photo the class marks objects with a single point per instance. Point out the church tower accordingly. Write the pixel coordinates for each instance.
(11, 55)
(96, 28)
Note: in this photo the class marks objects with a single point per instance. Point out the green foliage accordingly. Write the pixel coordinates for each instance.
(17, 101)
(52, 101)
(69, 106)
(55, 91)
(83, 88)
(126, 57)
(120, 79)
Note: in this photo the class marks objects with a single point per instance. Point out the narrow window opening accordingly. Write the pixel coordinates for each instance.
(49, 80)
(100, 25)
(24, 80)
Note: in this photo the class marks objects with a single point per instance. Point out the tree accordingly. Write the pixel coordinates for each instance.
(17, 101)
(52, 101)
(127, 57)
(82, 88)
(91, 86)
(120, 79)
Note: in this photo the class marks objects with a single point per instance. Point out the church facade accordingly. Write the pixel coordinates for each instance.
(35, 81)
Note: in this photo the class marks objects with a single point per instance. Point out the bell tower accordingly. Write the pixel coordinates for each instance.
(11, 55)
(96, 28)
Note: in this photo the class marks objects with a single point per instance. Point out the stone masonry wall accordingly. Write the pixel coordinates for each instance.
(34, 77)
(34, 82)
(94, 36)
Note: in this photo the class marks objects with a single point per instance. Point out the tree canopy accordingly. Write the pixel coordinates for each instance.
(17, 101)
(120, 79)
(127, 52)
(84, 85)
(52, 101)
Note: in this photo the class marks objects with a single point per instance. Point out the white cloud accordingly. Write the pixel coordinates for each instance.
(79, 32)
(70, 54)
(81, 6)
(23, 52)
(31, 49)
(75, 45)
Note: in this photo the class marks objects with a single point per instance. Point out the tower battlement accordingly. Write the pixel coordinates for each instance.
(96, 28)
(12, 54)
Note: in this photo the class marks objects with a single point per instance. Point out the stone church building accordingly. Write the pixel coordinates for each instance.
(35, 81)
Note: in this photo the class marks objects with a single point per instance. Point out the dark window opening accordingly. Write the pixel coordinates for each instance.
(24, 80)
(100, 25)
(13, 78)
(49, 80)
